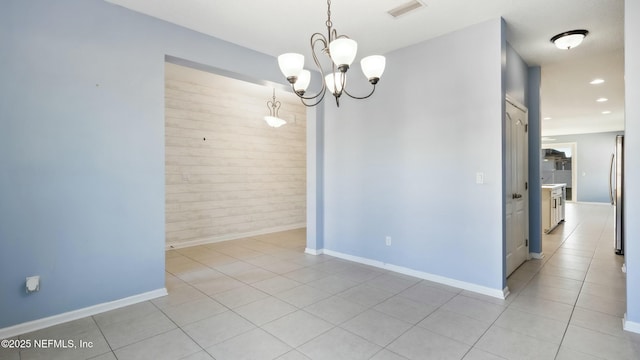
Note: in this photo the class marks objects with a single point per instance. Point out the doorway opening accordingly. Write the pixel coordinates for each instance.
(559, 166)
(229, 175)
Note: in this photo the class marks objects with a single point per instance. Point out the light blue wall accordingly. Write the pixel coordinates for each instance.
(632, 159)
(594, 156)
(403, 163)
(535, 131)
(516, 76)
(82, 149)
(523, 85)
(315, 179)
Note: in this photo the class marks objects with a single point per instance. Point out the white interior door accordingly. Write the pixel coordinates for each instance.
(517, 195)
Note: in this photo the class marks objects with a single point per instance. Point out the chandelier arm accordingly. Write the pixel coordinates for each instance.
(303, 98)
(269, 107)
(315, 39)
(360, 97)
(319, 38)
(334, 35)
(276, 108)
(316, 102)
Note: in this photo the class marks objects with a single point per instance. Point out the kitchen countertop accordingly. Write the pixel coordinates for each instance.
(552, 186)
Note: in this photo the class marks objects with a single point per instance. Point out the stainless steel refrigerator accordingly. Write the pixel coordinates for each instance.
(616, 182)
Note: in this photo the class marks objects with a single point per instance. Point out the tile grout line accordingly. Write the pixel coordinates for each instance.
(536, 273)
(599, 244)
(103, 336)
(459, 293)
(573, 308)
(181, 329)
(581, 287)
(257, 326)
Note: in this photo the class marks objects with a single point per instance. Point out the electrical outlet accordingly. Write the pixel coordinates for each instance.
(32, 284)
(387, 240)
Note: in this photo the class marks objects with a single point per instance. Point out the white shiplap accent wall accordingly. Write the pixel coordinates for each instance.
(246, 178)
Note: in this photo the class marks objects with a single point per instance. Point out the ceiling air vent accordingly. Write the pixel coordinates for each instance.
(405, 8)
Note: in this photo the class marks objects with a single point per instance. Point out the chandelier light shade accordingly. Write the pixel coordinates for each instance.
(373, 67)
(291, 64)
(273, 119)
(342, 51)
(335, 83)
(569, 39)
(301, 85)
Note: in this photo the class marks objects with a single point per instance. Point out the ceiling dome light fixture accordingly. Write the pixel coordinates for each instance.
(342, 52)
(272, 119)
(570, 39)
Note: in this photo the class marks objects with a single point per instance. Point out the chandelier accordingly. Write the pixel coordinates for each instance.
(273, 118)
(342, 51)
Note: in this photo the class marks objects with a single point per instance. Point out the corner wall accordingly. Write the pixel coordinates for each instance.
(535, 190)
(523, 85)
(82, 149)
(403, 163)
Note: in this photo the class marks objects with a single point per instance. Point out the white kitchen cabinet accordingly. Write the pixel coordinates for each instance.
(553, 206)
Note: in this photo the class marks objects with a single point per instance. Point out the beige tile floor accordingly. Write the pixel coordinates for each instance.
(263, 298)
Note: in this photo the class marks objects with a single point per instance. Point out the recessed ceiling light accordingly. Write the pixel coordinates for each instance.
(606, 112)
(602, 99)
(547, 118)
(569, 39)
(596, 81)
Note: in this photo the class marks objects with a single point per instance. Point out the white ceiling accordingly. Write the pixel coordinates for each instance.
(279, 26)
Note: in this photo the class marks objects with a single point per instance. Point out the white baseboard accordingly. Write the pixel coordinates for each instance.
(630, 326)
(78, 314)
(505, 292)
(500, 294)
(179, 245)
(313, 251)
(538, 256)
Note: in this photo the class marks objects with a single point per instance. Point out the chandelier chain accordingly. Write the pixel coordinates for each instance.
(329, 23)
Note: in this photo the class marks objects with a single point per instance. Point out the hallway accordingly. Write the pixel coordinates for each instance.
(578, 287)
